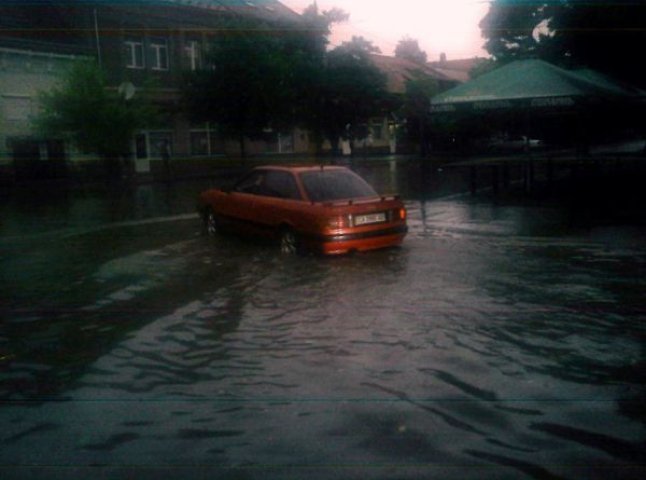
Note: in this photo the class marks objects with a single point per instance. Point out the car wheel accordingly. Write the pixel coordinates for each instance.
(288, 242)
(211, 226)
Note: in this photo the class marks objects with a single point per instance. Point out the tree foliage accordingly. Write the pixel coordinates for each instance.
(312, 99)
(246, 87)
(98, 120)
(342, 92)
(408, 48)
(417, 99)
(259, 79)
(318, 25)
(484, 66)
(511, 28)
(355, 89)
(608, 36)
(358, 46)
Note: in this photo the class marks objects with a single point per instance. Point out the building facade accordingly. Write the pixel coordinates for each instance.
(23, 75)
(142, 45)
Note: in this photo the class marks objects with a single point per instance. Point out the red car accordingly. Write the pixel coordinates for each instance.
(326, 209)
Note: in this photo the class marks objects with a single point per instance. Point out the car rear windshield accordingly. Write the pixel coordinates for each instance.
(329, 185)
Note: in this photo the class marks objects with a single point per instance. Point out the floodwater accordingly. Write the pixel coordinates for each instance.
(502, 340)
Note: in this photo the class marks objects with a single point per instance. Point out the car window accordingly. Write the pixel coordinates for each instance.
(328, 185)
(251, 183)
(280, 184)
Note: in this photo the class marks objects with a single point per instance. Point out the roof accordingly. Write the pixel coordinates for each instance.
(62, 26)
(270, 10)
(536, 82)
(400, 70)
(266, 9)
(457, 70)
(39, 25)
(272, 6)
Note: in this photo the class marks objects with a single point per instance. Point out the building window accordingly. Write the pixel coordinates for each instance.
(285, 143)
(205, 141)
(159, 49)
(16, 108)
(377, 130)
(141, 146)
(161, 144)
(199, 143)
(134, 53)
(193, 53)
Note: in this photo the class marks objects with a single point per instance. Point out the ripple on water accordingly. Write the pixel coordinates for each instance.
(491, 350)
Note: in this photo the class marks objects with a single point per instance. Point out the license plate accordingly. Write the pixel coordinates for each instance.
(369, 218)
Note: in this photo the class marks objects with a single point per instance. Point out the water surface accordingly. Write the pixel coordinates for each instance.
(502, 340)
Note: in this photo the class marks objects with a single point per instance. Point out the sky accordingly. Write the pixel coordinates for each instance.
(440, 26)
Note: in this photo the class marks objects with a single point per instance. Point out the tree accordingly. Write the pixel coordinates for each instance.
(408, 48)
(417, 99)
(97, 120)
(608, 36)
(261, 80)
(312, 96)
(512, 30)
(318, 27)
(358, 46)
(486, 65)
(248, 86)
(354, 91)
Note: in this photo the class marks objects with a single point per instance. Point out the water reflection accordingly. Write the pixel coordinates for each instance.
(55, 209)
(497, 340)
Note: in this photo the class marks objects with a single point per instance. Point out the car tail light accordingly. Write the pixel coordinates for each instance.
(402, 213)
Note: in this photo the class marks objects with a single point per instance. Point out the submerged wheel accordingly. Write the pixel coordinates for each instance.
(211, 226)
(288, 242)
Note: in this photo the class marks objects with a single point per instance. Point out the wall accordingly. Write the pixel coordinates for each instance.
(23, 75)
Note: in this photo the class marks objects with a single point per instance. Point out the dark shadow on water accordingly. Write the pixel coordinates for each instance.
(530, 469)
(618, 448)
(75, 319)
(113, 442)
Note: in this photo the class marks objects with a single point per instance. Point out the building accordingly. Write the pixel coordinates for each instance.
(386, 132)
(457, 70)
(23, 74)
(136, 43)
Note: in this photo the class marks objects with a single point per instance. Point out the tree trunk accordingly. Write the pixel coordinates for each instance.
(316, 143)
(112, 168)
(243, 152)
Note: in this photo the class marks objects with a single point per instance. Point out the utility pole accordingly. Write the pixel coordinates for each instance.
(96, 34)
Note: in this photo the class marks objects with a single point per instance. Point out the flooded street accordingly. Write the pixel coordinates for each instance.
(502, 340)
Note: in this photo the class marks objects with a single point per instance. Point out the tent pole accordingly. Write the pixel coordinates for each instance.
(529, 175)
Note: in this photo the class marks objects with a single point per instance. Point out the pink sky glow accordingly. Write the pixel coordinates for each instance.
(449, 26)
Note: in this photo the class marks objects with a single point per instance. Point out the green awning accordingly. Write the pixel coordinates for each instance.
(531, 84)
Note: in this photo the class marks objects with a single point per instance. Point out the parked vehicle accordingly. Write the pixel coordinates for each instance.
(514, 143)
(328, 209)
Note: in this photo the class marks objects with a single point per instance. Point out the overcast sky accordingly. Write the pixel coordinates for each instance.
(449, 26)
